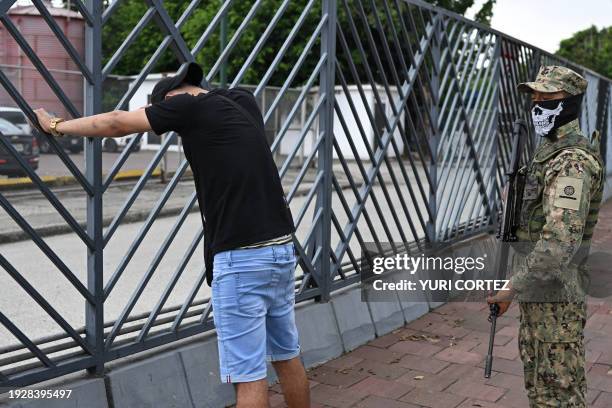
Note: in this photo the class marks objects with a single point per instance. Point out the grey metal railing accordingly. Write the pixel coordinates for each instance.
(411, 109)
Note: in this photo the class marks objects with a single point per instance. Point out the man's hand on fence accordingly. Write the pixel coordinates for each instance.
(44, 119)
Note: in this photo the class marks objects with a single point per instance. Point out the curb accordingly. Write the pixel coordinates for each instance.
(56, 181)
(63, 228)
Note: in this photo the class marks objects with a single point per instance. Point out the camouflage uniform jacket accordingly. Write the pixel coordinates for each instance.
(556, 204)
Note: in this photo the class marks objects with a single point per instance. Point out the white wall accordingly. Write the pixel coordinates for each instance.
(291, 137)
(140, 99)
(362, 116)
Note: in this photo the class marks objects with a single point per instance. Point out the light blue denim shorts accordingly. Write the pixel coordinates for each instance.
(253, 299)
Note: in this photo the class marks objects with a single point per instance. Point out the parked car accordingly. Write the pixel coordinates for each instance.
(74, 144)
(24, 143)
(14, 115)
(114, 144)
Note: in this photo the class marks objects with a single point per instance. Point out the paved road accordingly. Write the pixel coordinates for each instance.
(51, 164)
(45, 219)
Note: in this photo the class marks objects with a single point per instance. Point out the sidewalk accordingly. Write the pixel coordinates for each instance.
(437, 360)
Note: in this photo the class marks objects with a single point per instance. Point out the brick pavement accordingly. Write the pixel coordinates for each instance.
(437, 360)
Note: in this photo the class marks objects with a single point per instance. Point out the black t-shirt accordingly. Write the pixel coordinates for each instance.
(237, 183)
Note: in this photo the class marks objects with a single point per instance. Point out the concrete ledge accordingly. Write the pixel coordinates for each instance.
(414, 310)
(353, 317)
(607, 193)
(435, 305)
(387, 316)
(320, 339)
(414, 304)
(201, 363)
(158, 381)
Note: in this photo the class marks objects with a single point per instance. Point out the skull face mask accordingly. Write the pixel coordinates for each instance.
(548, 116)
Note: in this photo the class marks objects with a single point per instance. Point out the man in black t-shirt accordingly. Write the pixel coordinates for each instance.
(248, 239)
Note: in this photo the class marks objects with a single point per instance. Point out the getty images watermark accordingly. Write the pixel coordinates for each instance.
(428, 274)
(412, 264)
(469, 271)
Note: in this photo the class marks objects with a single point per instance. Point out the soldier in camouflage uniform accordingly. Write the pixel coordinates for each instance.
(561, 197)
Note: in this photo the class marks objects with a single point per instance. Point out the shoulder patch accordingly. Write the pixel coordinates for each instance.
(568, 192)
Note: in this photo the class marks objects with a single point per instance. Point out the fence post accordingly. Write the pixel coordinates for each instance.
(94, 313)
(495, 131)
(436, 55)
(603, 99)
(325, 159)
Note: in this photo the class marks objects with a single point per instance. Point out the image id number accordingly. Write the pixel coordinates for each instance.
(39, 394)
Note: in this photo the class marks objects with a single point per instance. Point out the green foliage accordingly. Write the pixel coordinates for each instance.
(130, 11)
(125, 18)
(457, 6)
(485, 13)
(591, 48)
(461, 6)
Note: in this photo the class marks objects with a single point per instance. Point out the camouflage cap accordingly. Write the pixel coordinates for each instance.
(553, 78)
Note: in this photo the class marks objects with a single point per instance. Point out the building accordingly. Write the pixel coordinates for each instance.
(22, 73)
(150, 140)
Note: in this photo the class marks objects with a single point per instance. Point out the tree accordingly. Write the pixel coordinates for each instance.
(591, 48)
(129, 13)
(124, 19)
(461, 6)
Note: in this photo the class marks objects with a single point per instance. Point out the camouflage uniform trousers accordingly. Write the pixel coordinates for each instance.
(551, 346)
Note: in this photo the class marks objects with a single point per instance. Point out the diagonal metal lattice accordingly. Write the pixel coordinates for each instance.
(405, 113)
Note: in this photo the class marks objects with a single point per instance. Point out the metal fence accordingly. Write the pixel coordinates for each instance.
(404, 138)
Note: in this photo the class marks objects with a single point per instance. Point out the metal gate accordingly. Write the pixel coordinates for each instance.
(406, 113)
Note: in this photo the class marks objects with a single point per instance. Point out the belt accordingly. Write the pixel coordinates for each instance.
(274, 241)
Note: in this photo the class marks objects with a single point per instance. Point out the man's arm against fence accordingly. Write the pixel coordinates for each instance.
(110, 124)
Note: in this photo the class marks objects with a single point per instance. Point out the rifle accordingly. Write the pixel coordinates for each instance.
(507, 224)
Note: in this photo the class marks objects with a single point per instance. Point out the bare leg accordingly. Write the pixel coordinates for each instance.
(252, 394)
(293, 382)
